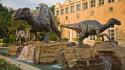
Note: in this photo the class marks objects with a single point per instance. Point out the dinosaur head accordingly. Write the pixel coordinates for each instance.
(21, 13)
(114, 21)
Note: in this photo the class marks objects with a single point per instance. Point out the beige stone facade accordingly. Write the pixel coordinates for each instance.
(73, 11)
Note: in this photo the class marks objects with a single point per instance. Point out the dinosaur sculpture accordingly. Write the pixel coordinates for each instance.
(91, 27)
(21, 36)
(42, 21)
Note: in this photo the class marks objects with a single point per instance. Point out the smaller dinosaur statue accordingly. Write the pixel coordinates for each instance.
(21, 36)
(91, 27)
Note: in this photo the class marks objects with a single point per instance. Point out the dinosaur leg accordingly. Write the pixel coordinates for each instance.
(46, 37)
(80, 40)
(27, 36)
(59, 36)
(35, 37)
(58, 33)
(107, 36)
(20, 41)
(102, 35)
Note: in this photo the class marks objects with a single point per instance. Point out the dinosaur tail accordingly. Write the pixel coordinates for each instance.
(71, 26)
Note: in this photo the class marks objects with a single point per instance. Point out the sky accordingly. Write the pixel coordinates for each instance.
(28, 3)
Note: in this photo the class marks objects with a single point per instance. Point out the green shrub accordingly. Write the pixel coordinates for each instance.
(53, 36)
(12, 38)
(6, 66)
(65, 39)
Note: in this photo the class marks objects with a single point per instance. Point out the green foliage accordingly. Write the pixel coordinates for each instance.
(41, 35)
(8, 26)
(52, 8)
(12, 38)
(65, 39)
(6, 66)
(53, 36)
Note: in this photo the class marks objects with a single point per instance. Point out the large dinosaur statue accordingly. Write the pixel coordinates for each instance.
(42, 21)
(91, 27)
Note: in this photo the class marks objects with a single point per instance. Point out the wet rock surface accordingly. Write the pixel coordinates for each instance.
(38, 52)
(101, 56)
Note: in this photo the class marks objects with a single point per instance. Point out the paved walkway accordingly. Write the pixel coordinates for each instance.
(23, 66)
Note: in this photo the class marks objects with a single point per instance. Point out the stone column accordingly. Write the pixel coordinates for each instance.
(88, 3)
(70, 33)
(96, 3)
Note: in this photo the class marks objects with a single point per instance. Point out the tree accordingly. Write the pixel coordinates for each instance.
(52, 8)
(9, 26)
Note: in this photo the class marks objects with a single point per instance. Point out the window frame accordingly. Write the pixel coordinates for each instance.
(110, 9)
(57, 12)
(92, 13)
(85, 5)
(72, 9)
(111, 1)
(92, 3)
(112, 33)
(62, 11)
(67, 10)
(78, 7)
(101, 2)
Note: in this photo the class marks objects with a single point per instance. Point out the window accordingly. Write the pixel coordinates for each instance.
(66, 17)
(85, 5)
(92, 37)
(92, 13)
(72, 8)
(101, 2)
(57, 12)
(110, 1)
(77, 16)
(112, 33)
(62, 11)
(78, 7)
(67, 10)
(110, 9)
(92, 3)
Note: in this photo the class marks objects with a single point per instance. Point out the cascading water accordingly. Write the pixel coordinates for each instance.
(106, 60)
(27, 53)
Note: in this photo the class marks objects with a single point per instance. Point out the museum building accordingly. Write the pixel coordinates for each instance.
(74, 11)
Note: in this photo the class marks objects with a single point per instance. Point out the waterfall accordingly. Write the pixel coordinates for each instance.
(27, 53)
(106, 60)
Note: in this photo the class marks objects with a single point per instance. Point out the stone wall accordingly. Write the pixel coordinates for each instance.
(49, 53)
